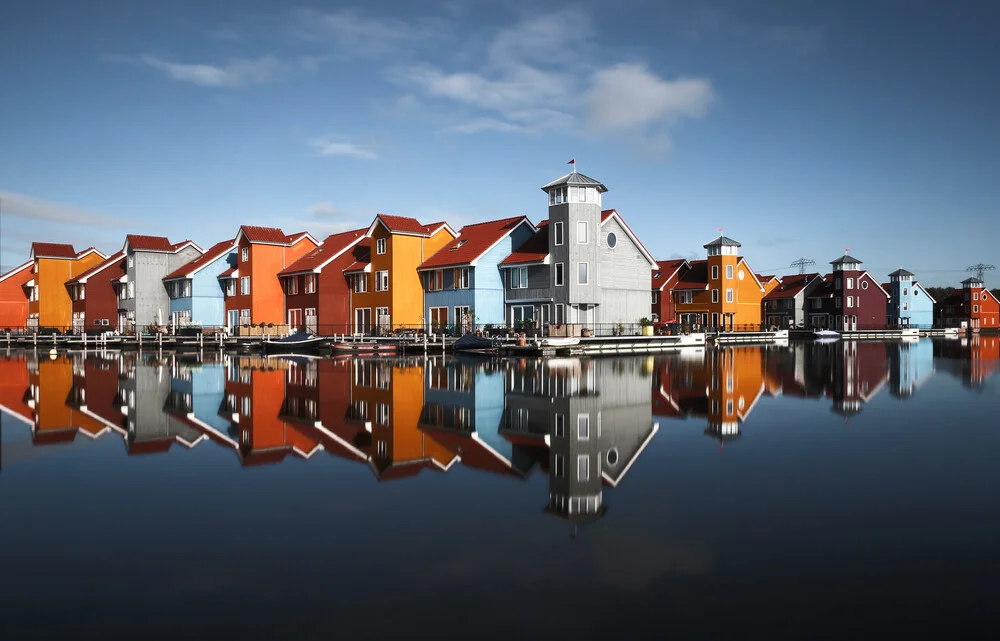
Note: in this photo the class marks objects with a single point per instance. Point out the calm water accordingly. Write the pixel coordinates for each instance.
(807, 491)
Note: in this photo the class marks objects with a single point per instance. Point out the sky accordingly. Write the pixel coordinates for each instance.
(800, 128)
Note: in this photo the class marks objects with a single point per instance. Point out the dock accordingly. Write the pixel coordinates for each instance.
(610, 345)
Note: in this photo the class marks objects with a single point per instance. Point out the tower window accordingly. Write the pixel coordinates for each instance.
(581, 232)
(729, 272)
(715, 272)
(557, 233)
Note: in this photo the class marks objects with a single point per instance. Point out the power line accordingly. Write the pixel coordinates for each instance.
(802, 263)
(980, 269)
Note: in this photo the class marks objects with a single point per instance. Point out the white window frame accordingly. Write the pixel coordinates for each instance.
(850, 283)
(463, 278)
(583, 427)
(850, 301)
(729, 272)
(244, 254)
(729, 295)
(244, 285)
(310, 284)
(582, 232)
(558, 466)
(559, 274)
(380, 246)
(361, 283)
(293, 285)
(557, 234)
(715, 296)
(560, 313)
(382, 280)
(583, 467)
(585, 267)
(715, 272)
(435, 280)
(560, 426)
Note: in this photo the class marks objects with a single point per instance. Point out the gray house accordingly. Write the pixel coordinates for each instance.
(142, 296)
(583, 268)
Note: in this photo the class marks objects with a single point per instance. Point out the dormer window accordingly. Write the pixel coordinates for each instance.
(458, 244)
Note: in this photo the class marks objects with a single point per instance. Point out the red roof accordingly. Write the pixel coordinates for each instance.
(228, 272)
(764, 279)
(271, 235)
(790, 286)
(433, 227)
(265, 457)
(474, 452)
(694, 278)
(362, 255)
(52, 437)
(215, 251)
(404, 225)
(472, 242)
(150, 447)
(52, 250)
(333, 246)
(533, 250)
(98, 267)
(149, 243)
(666, 271)
(87, 251)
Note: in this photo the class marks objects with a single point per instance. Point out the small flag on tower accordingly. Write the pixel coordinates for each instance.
(572, 161)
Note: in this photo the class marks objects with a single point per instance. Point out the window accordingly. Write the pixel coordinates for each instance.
(244, 254)
(684, 298)
(558, 274)
(975, 309)
(612, 240)
(557, 233)
(975, 295)
(906, 306)
(560, 313)
(729, 295)
(583, 467)
(715, 296)
(729, 272)
(836, 283)
(244, 285)
(293, 286)
(311, 283)
(581, 232)
(245, 406)
(361, 283)
(462, 278)
(715, 272)
(837, 302)
(131, 289)
(559, 466)
(916, 292)
(850, 301)
(864, 284)
(850, 283)
(817, 303)
(656, 296)
(230, 287)
(906, 292)
(380, 246)
(582, 274)
(519, 278)
(560, 426)
(382, 281)
(435, 281)
(186, 289)
(382, 414)
(131, 260)
(245, 314)
(583, 427)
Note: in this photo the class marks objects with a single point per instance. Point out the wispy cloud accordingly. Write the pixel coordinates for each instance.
(31, 208)
(237, 72)
(628, 95)
(349, 33)
(332, 147)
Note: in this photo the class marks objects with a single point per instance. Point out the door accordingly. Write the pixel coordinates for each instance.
(233, 318)
(382, 318)
(312, 321)
(294, 319)
(439, 319)
(363, 320)
(463, 319)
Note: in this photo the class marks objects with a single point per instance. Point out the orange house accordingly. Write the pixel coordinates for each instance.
(49, 304)
(13, 296)
(737, 382)
(973, 306)
(721, 292)
(56, 420)
(395, 297)
(252, 289)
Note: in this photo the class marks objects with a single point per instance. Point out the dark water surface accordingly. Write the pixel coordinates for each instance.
(847, 490)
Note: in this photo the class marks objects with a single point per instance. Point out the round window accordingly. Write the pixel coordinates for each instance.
(613, 456)
(916, 292)
(864, 284)
(741, 274)
(612, 240)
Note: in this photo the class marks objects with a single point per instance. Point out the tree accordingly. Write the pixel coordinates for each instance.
(939, 293)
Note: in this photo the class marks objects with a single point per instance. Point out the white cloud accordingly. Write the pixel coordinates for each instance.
(329, 147)
(237, 72)
(352, 34)
(479, 125)
(31, 208)
(628, 95)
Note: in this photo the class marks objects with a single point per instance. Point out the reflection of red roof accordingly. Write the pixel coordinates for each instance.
(272, 235)
(363, 256)
(265, 457)
(53, 437)
(666, 270)
(790, 286)
(214, 252)
(473, 452)
(694, 278)
(533, 250)
(473, 241)
(402, 470)
(149, 243)
(333, 246)
(98, 267)
(52, 250)
(150, 447)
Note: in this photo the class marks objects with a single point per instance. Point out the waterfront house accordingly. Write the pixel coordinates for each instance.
(142, 298)
(49, 304)
(14, 297)
(666, 275)
(253, 292)
(911, 363)
(399, 245)
(972, 360)
(142, 396)
(859, 370)
(194, 289)
(909, 304)
(786, 304)
(849, 299)
(317, 296)
(973, 306)
(359, 283)
(598, 273)
(463, 285)
(721, 291)
(95, 295)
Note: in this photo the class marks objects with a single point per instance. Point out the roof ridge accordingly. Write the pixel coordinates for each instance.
(497, 220)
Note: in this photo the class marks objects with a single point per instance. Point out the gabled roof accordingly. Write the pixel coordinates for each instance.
(883, 289)
(148, 243)
(696, 277)
(533, 250)
(91, 250)
(791, 286)
(52, 250)
(16, 270)
(214, 252)
(575, 178)
(845, 259)
(474, 241)
(363, 256)
(901, 272)
(916, 283)
(608, 214)
(232, 272)
(407, 226)
(765, 279)
(108, 262)
(333, 246)
(723, 241)
(665, 270)
(269, 236)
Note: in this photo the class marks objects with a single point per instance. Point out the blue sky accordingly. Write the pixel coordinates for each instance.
(801, 128)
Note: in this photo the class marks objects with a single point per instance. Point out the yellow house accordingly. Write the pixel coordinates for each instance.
(49, 303)
(394, 296)
(722, 291)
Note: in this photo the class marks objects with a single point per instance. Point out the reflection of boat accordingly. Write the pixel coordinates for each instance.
(828, 334)
(564, 341)
(473, 343)
(365, 347)
(292, 343)
(911, 332)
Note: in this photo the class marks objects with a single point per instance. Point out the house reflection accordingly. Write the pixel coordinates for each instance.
(971, 360)
(911, 364)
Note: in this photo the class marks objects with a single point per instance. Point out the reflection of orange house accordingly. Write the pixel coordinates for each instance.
(972, 360)
(13, 297)
(54, 264)
(50, 383)
(722, 291)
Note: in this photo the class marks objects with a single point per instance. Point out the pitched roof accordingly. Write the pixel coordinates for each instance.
(791, 286)
(722, 241)
(200, 262)
(473, 241)
(608, 214)
(665, 270)
(764, 279)
(901, 272)
(232, 272)
(408, 226)
(268, 235)
(845, 259)
(575, 178)
(149, 243)
(362, 255)
(916, 283)
(99, 267)
(52, 250)
(16, 270)
(90, 250)
(533, 250)
(696, 277)
(333, 246)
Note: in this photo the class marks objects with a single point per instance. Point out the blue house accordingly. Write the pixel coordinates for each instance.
(463, 285)
(196, 297)
(909, 303)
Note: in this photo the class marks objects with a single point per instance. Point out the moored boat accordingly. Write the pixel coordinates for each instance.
(826, 334)
(559, 341)
(293, 343)
(363, 347)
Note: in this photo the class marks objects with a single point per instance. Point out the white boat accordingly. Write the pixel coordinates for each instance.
(557, 341)
(910, 332)
(828, 334)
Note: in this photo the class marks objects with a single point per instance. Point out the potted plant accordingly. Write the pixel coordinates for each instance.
(647, 326)
(586, 333)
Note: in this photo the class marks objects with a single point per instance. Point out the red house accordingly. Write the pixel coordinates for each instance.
(972, 306)
(95, 299)
(665, 277)
(317, 296)
(849, 299)
(13, 298)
